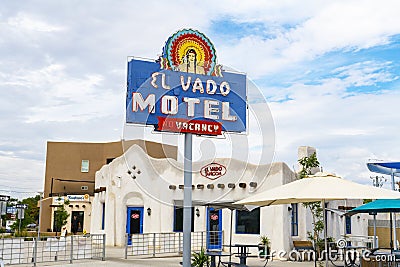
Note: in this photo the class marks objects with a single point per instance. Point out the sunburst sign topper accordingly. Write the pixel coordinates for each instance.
(180, 44)
(185, 90)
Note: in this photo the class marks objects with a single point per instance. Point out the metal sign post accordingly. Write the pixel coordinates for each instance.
(21, 214)
(3, 207)
(187, 201)
(186, 91)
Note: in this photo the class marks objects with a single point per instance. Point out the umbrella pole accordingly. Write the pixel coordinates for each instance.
(391, 231)
(375, 243)
(394, 216)
(394, 232)
(230, 240)
(325, 234)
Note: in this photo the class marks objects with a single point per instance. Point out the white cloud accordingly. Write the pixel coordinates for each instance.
(340, 25)
(63, 73)
(21, 177)
(366, 73)
(347, 131)
(26, 22)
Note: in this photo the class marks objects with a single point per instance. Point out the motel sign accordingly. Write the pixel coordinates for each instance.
(185, 90)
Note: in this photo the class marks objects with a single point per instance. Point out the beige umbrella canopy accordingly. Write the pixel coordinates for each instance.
(318, 187)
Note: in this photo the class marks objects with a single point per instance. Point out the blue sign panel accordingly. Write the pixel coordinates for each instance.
(12, 210)
(157, 96)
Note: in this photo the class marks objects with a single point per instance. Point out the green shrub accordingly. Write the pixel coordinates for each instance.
(200, 259)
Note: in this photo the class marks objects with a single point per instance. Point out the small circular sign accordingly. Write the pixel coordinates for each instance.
(214, 217)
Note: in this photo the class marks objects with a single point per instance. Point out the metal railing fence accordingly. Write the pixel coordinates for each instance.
(157, 244)
(26, 250)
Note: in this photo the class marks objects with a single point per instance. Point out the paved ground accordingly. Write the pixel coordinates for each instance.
(115, 258)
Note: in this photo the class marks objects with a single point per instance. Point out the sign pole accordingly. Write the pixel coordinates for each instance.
(187, 201)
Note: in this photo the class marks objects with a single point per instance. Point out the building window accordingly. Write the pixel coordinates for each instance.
(295, 220)
(348, 225)
(178, 219)
(248, 222)
(109, 160)
(85, 165)
(103, 215)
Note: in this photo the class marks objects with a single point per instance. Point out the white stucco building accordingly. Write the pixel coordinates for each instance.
(139, 194)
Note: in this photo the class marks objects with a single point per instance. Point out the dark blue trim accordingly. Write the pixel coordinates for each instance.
(295, 219)
(128, 221)
(208, 243)
(348, 225)
(103, 215)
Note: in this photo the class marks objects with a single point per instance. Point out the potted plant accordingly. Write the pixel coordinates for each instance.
(264, 247)
(200, 259)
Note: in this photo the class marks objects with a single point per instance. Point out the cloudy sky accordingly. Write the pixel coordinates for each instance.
(329, 71)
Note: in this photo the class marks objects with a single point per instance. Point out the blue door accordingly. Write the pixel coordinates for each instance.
(214, 228)
(134, 222)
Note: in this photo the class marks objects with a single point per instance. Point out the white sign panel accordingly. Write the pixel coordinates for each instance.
(78, 197)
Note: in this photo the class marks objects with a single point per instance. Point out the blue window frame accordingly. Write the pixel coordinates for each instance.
(134, 221)
(103, 215)
(214, 228)
(248, 222)
(348, 225)
(295, 220)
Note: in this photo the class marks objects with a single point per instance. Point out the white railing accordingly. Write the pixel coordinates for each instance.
(157, 244)
(26, 250)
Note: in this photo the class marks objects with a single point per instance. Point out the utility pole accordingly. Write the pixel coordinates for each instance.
(40, 213)
(378, 181)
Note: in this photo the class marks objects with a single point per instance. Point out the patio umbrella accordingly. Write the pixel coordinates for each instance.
(318, 187)
(391, 168)
(377, 206)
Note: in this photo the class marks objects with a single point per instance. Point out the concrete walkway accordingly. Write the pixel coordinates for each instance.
(115, 258)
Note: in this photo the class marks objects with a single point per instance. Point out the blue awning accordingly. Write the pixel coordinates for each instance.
(385, 168)
(379, 205)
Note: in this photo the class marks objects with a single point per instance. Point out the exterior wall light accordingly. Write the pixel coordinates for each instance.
(148, 211)
(197, 212)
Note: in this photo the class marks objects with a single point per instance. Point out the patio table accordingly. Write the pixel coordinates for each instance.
(242, 253)
(216, 253)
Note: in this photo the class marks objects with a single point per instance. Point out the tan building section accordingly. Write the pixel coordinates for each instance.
(71, 168)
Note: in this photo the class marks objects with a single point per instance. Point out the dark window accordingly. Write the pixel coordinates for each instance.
(295, 220)
(178, 219)
(248, 222)
(348, 225)
(109, 160)
(77, 221)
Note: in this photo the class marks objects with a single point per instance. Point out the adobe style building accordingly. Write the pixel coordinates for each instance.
(139, 194)
(70, 175)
